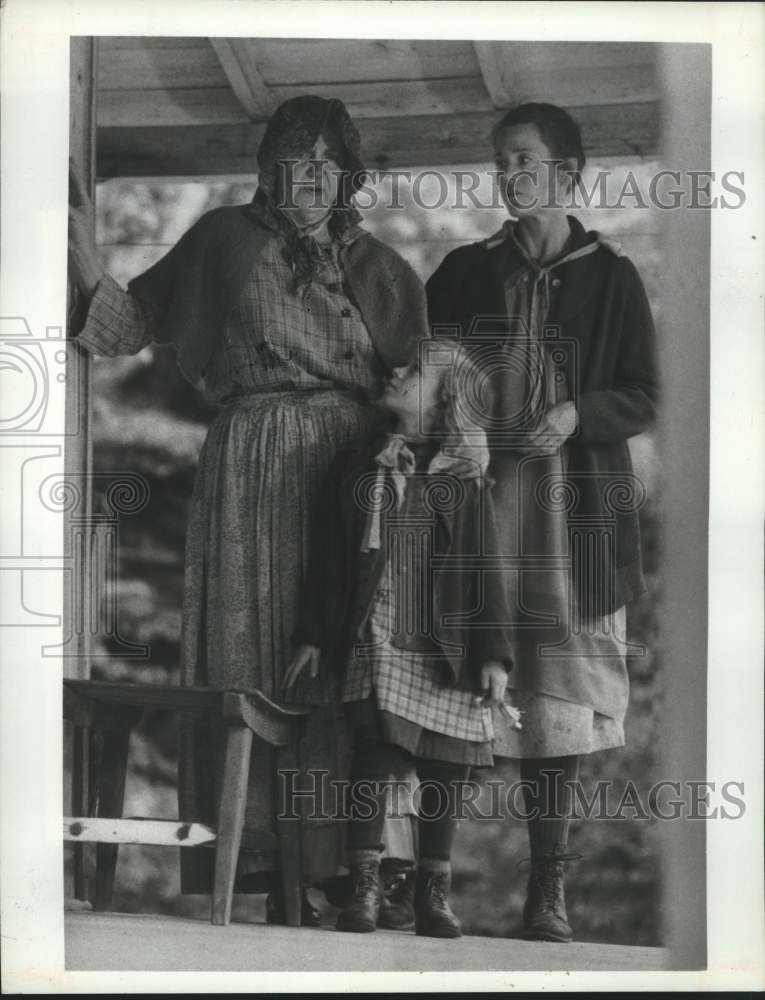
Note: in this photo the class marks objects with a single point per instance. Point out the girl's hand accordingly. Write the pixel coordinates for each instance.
(493, 685)
(305, 656)
(84, 265)
(558, 424)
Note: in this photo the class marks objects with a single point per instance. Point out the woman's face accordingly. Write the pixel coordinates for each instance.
(412, 391)
(315, 181)
(528, 184)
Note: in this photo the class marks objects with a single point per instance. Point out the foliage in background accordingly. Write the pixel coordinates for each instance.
(149, 420)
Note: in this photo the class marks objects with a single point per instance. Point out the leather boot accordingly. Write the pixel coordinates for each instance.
(397, 904)
(432, 914)
(360, 914)
(544, 913)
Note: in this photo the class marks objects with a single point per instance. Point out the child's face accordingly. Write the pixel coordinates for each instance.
(411, 393)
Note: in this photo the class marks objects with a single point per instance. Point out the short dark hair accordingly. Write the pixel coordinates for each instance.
(559, 132)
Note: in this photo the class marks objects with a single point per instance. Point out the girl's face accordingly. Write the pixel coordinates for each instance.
(527, 183)
(412, 392)
(315, 181)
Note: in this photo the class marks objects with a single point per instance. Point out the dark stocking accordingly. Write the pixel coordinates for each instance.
(373, 761)
(439, 795)
(548, 832)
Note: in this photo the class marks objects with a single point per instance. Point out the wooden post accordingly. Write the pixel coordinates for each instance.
(684, 342)
(78, 450)
(111, 796)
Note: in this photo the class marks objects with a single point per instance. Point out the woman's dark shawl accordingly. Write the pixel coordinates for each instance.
(193, 289)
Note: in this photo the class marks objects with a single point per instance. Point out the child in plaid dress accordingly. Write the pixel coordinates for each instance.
(403, 599)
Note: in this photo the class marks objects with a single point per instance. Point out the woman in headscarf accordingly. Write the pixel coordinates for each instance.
(290, 315)
(560, 319)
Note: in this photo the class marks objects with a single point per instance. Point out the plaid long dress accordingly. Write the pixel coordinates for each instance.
(293, 373)
(399, 695)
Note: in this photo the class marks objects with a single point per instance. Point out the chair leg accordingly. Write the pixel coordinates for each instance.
(79, 804)
(230, 819)
(109, 803)
(290, 840)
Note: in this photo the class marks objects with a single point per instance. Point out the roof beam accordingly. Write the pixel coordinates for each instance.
(220, 106)
(567, 73)
(238, 63)
(388, 143)
(163, 108)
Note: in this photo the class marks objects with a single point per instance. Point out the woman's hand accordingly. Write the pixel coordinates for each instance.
(493, 684)
(558, 424)
(84, 265)
(305, 656)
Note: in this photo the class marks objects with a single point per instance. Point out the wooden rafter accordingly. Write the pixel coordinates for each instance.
(489, 59)
(239, 65)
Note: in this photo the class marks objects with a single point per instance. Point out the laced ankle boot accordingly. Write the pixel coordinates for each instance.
(432, 914)
(544, 913)
(360, 914)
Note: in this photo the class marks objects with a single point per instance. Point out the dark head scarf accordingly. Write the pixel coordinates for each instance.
(291, 132)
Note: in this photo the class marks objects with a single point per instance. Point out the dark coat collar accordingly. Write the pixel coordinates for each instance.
(580, 278)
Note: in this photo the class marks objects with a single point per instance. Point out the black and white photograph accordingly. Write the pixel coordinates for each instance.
(382, 444)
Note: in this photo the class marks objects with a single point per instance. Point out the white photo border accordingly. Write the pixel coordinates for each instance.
(34, 117)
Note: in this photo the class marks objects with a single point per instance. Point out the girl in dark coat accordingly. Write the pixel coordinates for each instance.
(560, 321)
(403, 600)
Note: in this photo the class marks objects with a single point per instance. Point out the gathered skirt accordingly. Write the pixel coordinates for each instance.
(260, 470)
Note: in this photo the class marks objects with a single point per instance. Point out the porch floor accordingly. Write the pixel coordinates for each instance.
(148, 942)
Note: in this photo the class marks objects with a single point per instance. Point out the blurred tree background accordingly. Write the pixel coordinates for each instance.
(147, 419)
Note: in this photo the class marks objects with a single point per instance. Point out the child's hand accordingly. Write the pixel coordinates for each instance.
(493, 685)
(304, 656)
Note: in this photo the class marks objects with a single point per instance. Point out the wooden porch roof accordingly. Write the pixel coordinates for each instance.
(191, 107)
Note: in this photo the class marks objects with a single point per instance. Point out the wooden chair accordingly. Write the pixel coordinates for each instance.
(107, 712)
